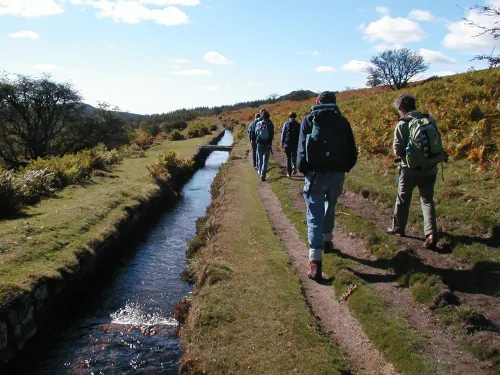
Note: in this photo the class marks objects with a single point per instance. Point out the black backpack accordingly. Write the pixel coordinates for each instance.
(327, 144)
(292, 132)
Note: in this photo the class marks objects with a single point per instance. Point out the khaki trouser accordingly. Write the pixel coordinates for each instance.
(408, 180)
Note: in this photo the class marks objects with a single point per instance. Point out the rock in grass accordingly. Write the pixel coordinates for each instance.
(445, 298)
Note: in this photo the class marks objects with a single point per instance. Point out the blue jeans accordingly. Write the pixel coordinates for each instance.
(254, 155)
(263, 152)
(321, 191)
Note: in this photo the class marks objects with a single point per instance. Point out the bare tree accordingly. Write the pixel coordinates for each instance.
(493, 12)
(373, 81)
(34, 115)
(396, 67)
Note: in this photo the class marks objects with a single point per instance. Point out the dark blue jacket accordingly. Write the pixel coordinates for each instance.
(341, 124)
(289, 142)
(251, 129)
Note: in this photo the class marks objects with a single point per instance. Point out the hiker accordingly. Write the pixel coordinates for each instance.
(251, 136)
(417, 142)
(326, 151)
(290, 141)
(264, 134)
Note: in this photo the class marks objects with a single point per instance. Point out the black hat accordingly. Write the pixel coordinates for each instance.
(327, 97)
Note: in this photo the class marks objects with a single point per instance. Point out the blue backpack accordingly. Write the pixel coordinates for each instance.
(261, 131)
(327, 144)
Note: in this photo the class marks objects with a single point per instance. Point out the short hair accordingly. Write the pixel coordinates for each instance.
(262, 110)
(406, 102)
(266, 115)
(327, 97)
(292, 115)
(257, 115)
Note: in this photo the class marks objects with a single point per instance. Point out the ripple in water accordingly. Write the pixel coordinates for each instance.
(132, 314)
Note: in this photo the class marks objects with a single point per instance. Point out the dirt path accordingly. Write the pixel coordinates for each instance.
(332, 316)
(443, 347)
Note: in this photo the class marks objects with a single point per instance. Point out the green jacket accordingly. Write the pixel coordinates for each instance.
(401, 137)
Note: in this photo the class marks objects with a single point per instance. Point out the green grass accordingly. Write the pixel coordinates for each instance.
(248, 314)
(391, 334)
(48, 237)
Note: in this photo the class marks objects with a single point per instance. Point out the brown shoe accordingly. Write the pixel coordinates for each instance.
(395, 231)
(328, 247)
(315, 270)
(431, 241)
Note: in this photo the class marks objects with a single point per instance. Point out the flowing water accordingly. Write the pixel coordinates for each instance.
(130, 327)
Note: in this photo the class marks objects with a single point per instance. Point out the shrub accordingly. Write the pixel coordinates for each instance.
(168, 164)
(176, 135)
(143, 139)
(9, 199)
(34, 185)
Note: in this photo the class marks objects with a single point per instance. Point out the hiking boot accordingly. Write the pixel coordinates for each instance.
(263, 178)
(315, 270)
(294, 170)
(328, 247)
(431, 241)
(396, 231)
(288, 174)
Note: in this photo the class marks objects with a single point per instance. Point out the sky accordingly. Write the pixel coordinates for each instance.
(155, 56)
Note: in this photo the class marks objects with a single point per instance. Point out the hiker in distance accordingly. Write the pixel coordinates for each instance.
(326, 151)
(417, 142)
(264, 134)
(251, 136)
(290, 141)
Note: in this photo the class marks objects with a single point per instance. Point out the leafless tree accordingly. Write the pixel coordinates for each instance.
(373, 81)
(395, 67)
(493, 12)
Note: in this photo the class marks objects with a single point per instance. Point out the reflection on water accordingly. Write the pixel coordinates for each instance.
(129, 326)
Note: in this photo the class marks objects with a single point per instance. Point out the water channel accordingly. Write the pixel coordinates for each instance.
(129, 328)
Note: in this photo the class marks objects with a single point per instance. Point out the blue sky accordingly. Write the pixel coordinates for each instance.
(151, 56)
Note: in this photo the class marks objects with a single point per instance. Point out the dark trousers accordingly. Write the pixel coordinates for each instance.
(254, 154)
(291, 158)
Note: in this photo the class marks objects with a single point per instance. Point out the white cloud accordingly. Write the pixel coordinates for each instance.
(360, 27)
(463, 36)
(134, 11)
(394, 30)
(384, 11)
(216, 58)
(192, 72)
(356, 66)
(171, 2)
(436, 57)
(28, 34)
(311, 53)
(253, 84)
(421, 15)
(325, 69)
(211, 88)
(30, 8)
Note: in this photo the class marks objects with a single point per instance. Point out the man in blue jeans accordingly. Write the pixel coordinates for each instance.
(264, 134)
(290, 141)
(326, 151)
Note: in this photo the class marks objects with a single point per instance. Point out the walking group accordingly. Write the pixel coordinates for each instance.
(323, 149)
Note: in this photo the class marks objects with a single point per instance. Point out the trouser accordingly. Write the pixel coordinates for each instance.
(407, 181)
(291, 158)
(254, 154)
(263, 152)
(321, 191)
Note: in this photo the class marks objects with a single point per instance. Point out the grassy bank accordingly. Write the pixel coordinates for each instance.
(48, 238)
(391, 334)
(248, 314)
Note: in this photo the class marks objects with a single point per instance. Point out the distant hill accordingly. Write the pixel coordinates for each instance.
(88, 109)
(298, 95)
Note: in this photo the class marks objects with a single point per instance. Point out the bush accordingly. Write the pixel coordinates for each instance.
(9, 199)
(176, 135)
(35, 185)
(168, 164)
